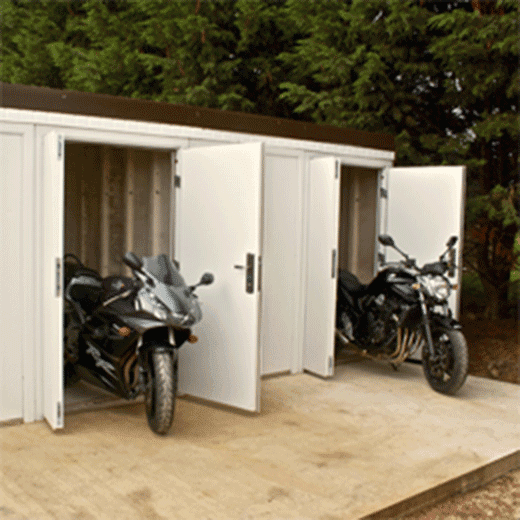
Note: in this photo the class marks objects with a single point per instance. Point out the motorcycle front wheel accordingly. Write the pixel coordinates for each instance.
(447, 370)
(161, 390)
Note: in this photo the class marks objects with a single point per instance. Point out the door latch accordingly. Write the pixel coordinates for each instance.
(250, 272)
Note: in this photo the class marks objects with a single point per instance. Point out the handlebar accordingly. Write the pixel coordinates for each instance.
(410, 263)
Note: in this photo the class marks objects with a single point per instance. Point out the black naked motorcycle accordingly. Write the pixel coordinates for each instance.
(403, 309)
(122, 334)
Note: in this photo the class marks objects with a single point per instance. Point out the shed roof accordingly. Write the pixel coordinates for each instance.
(103, 105)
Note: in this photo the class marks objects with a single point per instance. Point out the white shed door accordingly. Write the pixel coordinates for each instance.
(322, 244)
(219, 230)
(52, 308)
(14, 144)
(424, 207)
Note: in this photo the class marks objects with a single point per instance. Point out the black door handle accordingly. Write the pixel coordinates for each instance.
(250, 272)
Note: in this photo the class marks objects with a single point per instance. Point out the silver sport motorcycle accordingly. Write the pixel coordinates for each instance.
(122, 334)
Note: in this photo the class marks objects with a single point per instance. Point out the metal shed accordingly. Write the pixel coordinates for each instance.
(290, 202)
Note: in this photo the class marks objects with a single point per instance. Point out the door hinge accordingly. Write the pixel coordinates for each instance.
(337, 169)
(331, 364)
(58, 277)
(177, 181)
(58, 412)
(60, 146)
(384, 193)
(334, 257)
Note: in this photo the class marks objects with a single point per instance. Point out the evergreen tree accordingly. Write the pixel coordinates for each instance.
(27, 26)
(443, 77)
(218, 53)
(445, 83)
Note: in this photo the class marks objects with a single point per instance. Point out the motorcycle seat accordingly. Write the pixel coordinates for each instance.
(350, 283)
(85, 288)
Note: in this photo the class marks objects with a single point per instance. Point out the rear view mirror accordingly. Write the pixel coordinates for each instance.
(207, 279)
(452, 241)
(133, 261)
(386, 240)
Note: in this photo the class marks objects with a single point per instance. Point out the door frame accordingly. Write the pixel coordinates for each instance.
(85, 136)
(355, 161)
(381, 222)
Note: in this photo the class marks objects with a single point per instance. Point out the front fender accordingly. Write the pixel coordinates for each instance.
(166, 335)
(444, 322)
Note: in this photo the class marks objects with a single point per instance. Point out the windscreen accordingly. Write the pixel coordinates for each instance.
(164, 270)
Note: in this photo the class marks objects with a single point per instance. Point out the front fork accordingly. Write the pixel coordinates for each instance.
(426, 325)
(144, 362)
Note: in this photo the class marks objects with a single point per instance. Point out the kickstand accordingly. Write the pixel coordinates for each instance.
(394, 366)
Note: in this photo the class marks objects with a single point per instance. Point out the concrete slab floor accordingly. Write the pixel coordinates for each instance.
(342, 448)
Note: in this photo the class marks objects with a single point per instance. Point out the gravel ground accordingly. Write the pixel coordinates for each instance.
(494, 348)
(498, 500)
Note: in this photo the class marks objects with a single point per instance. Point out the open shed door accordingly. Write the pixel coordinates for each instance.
(322, 244)
(424, 207)
(52, 308)
(219, 230)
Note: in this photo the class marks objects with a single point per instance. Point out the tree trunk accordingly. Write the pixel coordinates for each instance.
(492, 310)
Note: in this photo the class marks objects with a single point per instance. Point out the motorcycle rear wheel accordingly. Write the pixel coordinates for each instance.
(447, 372)
(161, 390)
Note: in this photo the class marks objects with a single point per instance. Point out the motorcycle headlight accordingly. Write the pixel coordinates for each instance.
(437, 287)
(160, 311)
(147, 301)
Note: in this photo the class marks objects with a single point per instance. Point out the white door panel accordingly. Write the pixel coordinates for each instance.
(53, 187)
(13, 152)
(281, 280)
(219, 229)
(425, 207)
(318, 347)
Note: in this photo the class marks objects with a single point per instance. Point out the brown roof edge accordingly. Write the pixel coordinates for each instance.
(103, 105)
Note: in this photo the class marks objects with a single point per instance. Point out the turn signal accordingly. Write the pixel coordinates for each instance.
(124, 331)
(192, 338)
(455, 286)
(416, 286)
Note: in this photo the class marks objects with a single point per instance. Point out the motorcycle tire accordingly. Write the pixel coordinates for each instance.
(70, 376)
(447, 373)
(161, 390)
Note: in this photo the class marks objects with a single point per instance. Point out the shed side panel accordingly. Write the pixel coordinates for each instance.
(11, 274)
